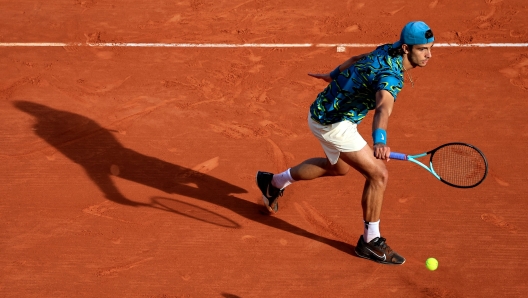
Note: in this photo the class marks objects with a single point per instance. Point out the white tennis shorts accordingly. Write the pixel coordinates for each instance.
(336, 138)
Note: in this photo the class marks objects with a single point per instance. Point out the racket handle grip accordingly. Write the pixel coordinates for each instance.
(396, 155)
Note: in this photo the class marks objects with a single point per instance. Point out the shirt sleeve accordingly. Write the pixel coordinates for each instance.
(390, 82)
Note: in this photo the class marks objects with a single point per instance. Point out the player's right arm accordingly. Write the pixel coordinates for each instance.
(380, 123)
(328, 77)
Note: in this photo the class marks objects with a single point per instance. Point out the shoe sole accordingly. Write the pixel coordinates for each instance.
(376, 260)
(266, 203)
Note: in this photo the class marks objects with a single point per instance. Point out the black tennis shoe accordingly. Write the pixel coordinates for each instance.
(377, 250)
(270, 193)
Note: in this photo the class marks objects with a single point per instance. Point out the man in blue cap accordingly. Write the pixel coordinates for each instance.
(366, 82)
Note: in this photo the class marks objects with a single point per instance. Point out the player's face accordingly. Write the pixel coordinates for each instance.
(420, 54)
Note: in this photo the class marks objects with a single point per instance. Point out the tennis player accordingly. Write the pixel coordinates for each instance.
(366, 82)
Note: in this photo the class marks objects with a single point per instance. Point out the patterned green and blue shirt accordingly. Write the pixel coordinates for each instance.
(353, 93)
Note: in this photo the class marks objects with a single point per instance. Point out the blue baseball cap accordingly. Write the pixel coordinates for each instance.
(416, 32)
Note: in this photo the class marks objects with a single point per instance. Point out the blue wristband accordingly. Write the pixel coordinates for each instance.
(335, 73)
(380, 136)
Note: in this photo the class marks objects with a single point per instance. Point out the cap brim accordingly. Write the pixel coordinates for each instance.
(397, 44)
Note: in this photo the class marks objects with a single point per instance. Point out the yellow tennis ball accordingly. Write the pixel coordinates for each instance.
(431, 264)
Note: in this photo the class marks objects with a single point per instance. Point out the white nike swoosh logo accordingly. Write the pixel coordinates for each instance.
(383, 257)
(267, 192)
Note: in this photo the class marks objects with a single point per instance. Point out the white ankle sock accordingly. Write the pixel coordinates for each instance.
(282, 180)
(371, 231)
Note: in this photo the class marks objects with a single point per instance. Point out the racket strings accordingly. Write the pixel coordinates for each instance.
(460, 165)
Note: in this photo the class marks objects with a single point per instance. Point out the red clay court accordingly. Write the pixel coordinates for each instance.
(128, 171)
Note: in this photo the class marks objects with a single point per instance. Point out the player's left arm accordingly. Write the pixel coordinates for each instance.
(380, 123)
(351, 61)
(328, 77)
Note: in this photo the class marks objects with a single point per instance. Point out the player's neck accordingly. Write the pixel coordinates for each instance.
(407, 65)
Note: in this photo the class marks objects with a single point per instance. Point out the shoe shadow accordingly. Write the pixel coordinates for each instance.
(97, 150)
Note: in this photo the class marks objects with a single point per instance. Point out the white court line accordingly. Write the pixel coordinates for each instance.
(244, 45)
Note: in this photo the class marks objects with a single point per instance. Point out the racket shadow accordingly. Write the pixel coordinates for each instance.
(192, 211)
(97, 151)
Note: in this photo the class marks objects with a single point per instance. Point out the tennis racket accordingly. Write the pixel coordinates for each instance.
(456, 164)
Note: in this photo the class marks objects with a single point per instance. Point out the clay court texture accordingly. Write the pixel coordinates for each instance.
(129, 150)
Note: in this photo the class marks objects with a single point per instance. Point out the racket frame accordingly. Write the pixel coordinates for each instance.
(430, 168)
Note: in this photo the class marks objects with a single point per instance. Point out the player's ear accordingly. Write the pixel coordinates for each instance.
(405, 48)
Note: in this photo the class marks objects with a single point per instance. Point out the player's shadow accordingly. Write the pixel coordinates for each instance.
(96, 150)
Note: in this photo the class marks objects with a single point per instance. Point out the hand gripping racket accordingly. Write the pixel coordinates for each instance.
(456, 164)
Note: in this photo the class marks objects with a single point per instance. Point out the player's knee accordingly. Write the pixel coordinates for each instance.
(336, 170)
(380, 176)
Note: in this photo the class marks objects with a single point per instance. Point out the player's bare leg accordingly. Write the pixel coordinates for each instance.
(318, 167)
(376, 175)
(371, 245)
(307, 170)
